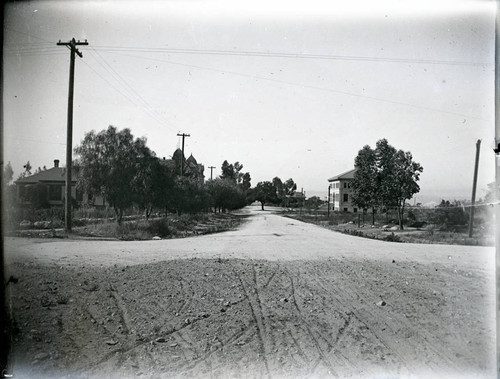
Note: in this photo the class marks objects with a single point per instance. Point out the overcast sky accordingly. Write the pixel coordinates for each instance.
(289, 89)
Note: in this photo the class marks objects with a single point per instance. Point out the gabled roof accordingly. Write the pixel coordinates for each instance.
(191, 160)
(346, 175)
(54, 174)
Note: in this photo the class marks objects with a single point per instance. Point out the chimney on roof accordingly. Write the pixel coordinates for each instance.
(56, 162)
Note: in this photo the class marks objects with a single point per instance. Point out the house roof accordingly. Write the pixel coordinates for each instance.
(346, 175)
(191, 159)
(54, 174)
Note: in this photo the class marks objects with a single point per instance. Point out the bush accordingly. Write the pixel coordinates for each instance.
(392, 238)
(159, 228)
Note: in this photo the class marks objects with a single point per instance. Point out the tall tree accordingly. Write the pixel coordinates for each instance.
(8, 174)
(364, 184)
(246, 181)
(280, 189)
(385, 177)
(265, 192)
(232, 171)
(406, 174)
(284, 189)
(109, 165)
(228, 171)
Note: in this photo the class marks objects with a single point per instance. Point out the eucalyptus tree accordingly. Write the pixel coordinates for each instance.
(364, 184)
(385, 177)
(110, 165)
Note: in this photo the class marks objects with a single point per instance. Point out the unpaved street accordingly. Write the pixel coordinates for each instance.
(276, 298)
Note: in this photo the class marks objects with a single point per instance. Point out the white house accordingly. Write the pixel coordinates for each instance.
(341, 194)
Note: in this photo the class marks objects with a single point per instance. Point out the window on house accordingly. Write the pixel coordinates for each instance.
(346, 197)
(55, 192)
(355, 210)
(348, 185)
(345, 209)
(345, 185)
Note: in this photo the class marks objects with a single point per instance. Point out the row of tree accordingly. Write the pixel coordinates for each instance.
(385, 177)
(123, 170)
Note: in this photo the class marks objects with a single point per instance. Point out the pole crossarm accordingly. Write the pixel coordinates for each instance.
(72, 44)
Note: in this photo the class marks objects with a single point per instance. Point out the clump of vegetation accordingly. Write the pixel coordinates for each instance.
(392, 238)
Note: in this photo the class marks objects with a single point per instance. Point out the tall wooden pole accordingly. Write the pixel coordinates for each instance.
(69, 143)
(497, 178)
(328, 209)
(183, 135)
(211, 171)
(474, 185)
(69, 137)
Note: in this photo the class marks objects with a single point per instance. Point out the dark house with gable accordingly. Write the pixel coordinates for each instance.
(51, 181)
(51, 185)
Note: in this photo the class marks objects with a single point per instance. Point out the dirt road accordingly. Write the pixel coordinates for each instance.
(276, 298)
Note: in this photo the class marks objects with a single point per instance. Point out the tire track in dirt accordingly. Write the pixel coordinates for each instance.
(307, 327)
(257, 315)
(268, 281)
(352, 327)
(422, 345)
(208, 353)
(352, 310)
(386, 327)
(124, 316)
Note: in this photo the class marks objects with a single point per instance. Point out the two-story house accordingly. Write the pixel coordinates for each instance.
(341, 193)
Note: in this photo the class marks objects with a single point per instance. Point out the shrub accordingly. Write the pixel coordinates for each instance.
(159, 228)
(392, 238)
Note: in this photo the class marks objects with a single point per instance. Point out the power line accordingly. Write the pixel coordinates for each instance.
(29, 35)
(35, 140)
(308, 86)
(269, 54)
(127, 96)
(129, 89)
(111, 84)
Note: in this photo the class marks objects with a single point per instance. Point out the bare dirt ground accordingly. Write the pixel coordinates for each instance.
(276, 298)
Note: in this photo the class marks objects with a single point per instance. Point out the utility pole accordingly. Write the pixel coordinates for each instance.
(69, 138)
(474, 184)
(497, 177)
(211, 171)
(328, 211)
(183, 135)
